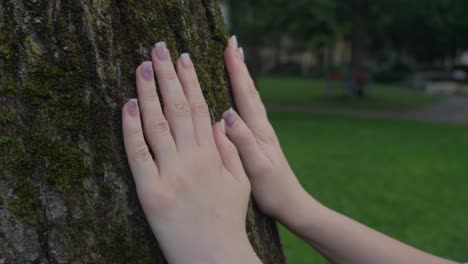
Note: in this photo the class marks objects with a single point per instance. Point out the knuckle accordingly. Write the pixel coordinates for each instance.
(251, 88)
(244, 135)
(261, 108)
(181, 108)
(160, 127)
(200, 108)
(268, 138)
(152, 97)
(134, 131)
(141, 154)
(262, 168)
(171, 76)
(253, 91)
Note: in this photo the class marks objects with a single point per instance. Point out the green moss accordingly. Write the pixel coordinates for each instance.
(6, 117)
(115, 247)
(35, 94)
(11, 152)
(5, 140)
(57, 92)
(32, 49)
(7, 51)
(23, 206)
(14, 160)
(57, 114)
(8, 88)
(63, 163)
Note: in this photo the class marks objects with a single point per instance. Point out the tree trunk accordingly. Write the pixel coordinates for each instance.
(66, 69)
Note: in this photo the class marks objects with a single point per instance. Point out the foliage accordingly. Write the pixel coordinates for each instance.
(427, 30)
(313, 22)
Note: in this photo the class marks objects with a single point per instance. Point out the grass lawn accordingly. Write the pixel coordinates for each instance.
(299, 91)
(406, 179)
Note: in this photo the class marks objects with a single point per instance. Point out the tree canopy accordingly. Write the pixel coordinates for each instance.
(427, 30)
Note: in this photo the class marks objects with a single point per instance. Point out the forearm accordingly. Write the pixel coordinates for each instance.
(343, 240)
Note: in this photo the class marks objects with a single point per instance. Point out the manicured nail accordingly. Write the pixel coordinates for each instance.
(186, 61)
(161, 51)
(223, 126)
(229, 117)
(241, 52)
(234, 43)
(132, 107)
(147, 70)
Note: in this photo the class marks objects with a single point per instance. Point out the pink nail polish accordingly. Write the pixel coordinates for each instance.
(132, 107)
(234, 43)
(147, 70)
(161, 51)
(230, 117)
(186, 61)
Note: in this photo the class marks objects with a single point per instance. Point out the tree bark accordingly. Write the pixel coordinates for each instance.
(66, 69)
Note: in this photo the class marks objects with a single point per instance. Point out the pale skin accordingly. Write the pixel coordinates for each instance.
(195, 188)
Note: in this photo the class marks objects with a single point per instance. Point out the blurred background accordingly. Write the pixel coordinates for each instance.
(370, 102)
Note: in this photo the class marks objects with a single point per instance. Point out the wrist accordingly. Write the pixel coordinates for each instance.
(230, 248)
(304, 214)
(235, 251)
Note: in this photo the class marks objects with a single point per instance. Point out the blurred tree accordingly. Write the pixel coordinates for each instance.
(421, 31)
(311, 24)
(429, 30)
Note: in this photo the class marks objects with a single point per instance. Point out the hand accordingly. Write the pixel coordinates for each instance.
(194, 192)
(279, 194)
(274, 185)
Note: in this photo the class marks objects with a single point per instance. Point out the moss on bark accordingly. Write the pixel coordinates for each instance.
(66, 68)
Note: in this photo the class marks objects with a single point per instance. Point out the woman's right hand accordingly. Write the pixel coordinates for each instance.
(275, 188)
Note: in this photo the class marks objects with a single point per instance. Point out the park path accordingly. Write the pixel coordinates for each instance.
(453, 109)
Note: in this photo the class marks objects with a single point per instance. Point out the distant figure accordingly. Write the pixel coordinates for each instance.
(361, 77)
(355, 82)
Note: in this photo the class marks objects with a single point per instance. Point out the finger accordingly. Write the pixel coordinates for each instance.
(144, 170)
(176, 108)
(241, 53)
(228, 152)
(246, 96)
(199, 109)
(156, 127)
(254, 159)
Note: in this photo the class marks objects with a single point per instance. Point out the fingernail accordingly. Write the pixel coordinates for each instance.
(229, 117)
(223, 126)
(234, 43)
(132, 107)
(186, 61)
(241, 52)
(161, 51)
(147, 70)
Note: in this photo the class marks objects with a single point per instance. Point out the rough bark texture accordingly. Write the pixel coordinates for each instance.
(66, 68)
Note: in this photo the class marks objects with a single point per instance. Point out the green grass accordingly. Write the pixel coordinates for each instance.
(406, 179)
(311, 92)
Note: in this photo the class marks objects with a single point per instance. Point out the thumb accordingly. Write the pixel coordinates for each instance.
(228, 152)
(253, 157)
